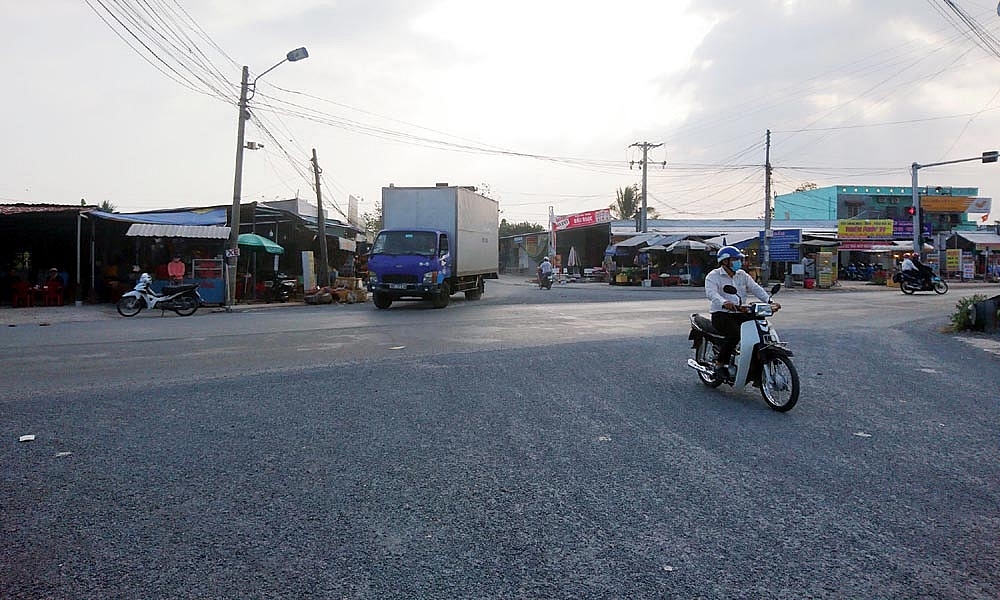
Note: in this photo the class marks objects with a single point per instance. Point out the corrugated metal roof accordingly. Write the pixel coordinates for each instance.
(21, 208)
(981, 238)
(211, 232)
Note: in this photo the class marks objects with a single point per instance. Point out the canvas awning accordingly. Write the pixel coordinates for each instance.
(211, 232)
(637, 240)
(193, 216)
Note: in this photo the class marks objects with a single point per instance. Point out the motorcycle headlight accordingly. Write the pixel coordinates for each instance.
(430, 277)
(762, 310)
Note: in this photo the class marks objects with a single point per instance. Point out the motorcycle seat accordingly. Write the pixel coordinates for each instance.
(169, 290)
(704, 324)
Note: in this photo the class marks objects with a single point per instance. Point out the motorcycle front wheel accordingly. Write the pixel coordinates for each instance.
(185, 306)
(940, 287)
(779, 383)
(129, 306)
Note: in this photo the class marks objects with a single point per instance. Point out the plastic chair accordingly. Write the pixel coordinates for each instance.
(54, 295)
(21, 294)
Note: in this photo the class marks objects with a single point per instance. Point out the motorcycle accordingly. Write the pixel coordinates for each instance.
(545, 280)
(760, 358)
(183, 299)
(282, 287)
(909, 284)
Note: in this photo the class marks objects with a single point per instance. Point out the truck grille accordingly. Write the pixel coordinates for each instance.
(400, 278)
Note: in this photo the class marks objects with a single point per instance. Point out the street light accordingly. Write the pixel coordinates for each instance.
(918, 243)
(233, 248)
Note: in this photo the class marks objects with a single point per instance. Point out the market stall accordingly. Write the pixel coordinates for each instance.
(200, 248)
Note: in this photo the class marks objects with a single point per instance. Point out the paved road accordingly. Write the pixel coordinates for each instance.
(529, 445)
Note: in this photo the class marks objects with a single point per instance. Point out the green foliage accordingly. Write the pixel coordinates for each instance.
(507, 229)
(961, 319)
(629, 202)
(373, 221)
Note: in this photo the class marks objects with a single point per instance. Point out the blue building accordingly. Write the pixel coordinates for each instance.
(838, 202)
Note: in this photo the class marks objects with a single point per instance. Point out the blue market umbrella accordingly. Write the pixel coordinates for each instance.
(256, 242)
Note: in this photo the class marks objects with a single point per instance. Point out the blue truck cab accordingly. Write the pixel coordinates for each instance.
(409, 264)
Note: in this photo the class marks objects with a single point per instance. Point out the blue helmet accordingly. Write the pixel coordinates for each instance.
(728, 252)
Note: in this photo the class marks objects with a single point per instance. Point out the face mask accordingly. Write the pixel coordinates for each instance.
(736, 265)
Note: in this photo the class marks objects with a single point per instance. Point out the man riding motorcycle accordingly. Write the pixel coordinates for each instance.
(727, 314)
(544, 270)
(915, 270)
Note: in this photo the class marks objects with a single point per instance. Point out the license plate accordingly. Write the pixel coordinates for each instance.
(397, 286)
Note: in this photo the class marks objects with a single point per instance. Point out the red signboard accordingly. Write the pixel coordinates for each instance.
(584, 219)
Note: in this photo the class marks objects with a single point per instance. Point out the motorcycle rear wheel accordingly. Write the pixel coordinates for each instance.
(940, 287)
(906, 289)
(704, 357)
(186, 306)
(129, 306)
(779, 383)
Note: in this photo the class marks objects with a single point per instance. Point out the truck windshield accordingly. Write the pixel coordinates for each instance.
(423, 243)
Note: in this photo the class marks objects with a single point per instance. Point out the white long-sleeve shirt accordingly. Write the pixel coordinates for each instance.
(741, 280)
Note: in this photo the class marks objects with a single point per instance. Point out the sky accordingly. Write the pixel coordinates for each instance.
(539, 104)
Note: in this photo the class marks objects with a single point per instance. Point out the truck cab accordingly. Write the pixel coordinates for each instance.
(410, 264)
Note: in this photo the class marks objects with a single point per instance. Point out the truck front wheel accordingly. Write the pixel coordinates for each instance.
(381, 300)
(444, 295)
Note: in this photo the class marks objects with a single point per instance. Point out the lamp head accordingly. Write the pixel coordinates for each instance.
(297, 54)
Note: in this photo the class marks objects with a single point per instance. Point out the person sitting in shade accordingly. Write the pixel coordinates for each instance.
(176, 270)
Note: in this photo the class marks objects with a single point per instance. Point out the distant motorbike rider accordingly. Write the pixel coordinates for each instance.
(914, 269)
(727, 314)
(544, 270)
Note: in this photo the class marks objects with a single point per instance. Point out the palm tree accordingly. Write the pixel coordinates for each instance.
(628, 203)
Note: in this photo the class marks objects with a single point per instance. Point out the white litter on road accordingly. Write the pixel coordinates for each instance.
(26, 438)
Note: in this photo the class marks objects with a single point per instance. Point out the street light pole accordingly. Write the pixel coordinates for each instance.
(233, 252)
(233, 247)
(918, 243)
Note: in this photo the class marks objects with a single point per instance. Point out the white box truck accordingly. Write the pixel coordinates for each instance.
(435, 241)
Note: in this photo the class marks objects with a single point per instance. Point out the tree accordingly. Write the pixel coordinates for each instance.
(107, 206)
(519, 228)
(629, 202)
(373, 221)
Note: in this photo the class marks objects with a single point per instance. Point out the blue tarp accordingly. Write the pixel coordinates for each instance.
(189, 216)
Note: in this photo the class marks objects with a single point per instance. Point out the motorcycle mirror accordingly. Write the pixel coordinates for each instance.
(775, 289)
(729, 289)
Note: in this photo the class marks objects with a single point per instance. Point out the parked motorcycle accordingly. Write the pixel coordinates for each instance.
(183, 299)
(761, 358)
(909, 284)
(282, 287)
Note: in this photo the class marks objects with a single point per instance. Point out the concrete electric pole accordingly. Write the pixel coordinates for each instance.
(324, 263)
(233, 249)
(765, 254)
(646, 147)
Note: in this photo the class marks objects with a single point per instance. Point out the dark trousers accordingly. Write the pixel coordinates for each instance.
(728, 324)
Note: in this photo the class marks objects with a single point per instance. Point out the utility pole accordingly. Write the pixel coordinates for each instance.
(324, 269)
(765, 255)
(233, 249)
(646, 147)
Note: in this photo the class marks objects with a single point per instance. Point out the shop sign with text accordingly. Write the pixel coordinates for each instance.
(903, 229)
(583, 219)
(955, 204)
(869, 229)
